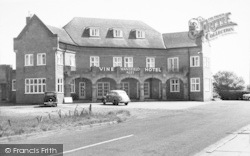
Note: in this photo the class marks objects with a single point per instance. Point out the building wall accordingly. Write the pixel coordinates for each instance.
(36, 39)
(5, 83)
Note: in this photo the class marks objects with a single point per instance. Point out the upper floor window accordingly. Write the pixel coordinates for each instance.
(94, 61)
(194, 61)
(117, 61)
(14, 85)
(128, 61)
(140, 34)
(174, 85)
(94, 32)
(206, 62)
(117, 33)
(173, 64)
(35, 85)
(41, 59)
(195, 84)
(70, 59)
(60, 58)
(150, 62)
(28, 60)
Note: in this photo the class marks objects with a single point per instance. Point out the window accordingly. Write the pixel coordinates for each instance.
(174, 85)
(117, 61)
(146, 90)
(140, 34)
(117, 33)
(125, 87)
(70, 59)
(173, 64)
(14, 85)
(41, 59)
(60, 58)
(128, 61)
(207, 85)
(195, 84)
(29, 59)
(94, 32)
(194, 61)
(150, 62)
(35, 85)
(72, 86)
(94, 61)
(206, 62)
(60, 85)
(102, 88)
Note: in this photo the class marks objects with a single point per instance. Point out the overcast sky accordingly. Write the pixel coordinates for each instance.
(230, 52)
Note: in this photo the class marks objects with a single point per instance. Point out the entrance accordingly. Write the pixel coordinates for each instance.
(82, 90)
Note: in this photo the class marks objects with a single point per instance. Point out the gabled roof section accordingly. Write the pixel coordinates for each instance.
(77, 30)
(62, 34)
(178, 40)
(34, 17)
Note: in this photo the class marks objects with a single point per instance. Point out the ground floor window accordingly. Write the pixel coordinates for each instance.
(146, 90)
(174, 85)
(60, 85)
(125, 87)
(35, 85)
(102, 88)
(82, 90)
(195, 84)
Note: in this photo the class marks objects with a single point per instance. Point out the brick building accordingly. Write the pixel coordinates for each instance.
(7, 84)
(88, 57)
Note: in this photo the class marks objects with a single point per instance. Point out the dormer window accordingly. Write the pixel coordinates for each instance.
(94, 32)
(117, 33)
(140, 34)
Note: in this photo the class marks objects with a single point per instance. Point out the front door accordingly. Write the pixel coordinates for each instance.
(82, 92)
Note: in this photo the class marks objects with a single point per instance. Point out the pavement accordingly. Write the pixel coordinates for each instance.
(235, 144)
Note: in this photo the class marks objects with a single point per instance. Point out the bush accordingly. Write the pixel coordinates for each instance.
(232, 94)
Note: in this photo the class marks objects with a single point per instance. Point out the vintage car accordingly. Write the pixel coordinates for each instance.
(246, 96)
(116, 97)
(50, 99)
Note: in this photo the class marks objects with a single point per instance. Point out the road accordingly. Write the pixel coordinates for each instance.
(169, 132)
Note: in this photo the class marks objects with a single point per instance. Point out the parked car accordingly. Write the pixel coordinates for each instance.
(50, 99)
(246, 96)
(116, 97)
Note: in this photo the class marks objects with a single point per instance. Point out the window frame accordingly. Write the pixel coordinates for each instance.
(13, 85)
(194, 84)
(171, 63)
(150, 62)
(116, 62)
(95, 61)
(33, 88)
(117, 33)
(60, 87)
(140, 34)
(174, 85)
(28, 60)
(194, 62)
(94, 32)
(129, 63)
(40, 61)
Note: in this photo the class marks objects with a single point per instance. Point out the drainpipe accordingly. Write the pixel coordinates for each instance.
(189, 74)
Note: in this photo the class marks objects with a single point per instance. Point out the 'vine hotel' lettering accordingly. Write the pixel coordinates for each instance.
(131, 70)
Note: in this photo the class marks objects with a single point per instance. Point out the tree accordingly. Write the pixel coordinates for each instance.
(226, 80)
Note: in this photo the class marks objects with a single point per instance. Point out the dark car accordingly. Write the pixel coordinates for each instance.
(116, 97)
(50, 99)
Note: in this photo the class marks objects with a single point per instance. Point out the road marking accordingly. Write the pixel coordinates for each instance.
(92, 145)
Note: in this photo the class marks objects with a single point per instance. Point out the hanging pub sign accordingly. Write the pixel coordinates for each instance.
(211, 28)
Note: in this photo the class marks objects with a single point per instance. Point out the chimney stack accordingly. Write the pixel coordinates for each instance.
(28, 17)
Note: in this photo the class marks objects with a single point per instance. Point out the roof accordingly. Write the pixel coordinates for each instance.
(178, 40)
(77, 26)
(63, 35)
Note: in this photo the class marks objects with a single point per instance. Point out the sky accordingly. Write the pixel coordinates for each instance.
(230, 52)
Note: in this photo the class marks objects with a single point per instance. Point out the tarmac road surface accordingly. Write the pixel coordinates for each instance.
(171, 133)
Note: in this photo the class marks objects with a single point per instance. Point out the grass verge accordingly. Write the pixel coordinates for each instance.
(60, 120)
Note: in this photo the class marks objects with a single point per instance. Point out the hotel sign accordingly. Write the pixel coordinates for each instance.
(131, 70)
(211, 28)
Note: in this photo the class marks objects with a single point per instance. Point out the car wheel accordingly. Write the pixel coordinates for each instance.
(249, 98)
(126, 103)
(115, 102)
